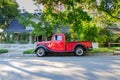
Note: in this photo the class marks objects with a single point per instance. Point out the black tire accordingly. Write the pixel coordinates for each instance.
(79, 51)
(40, 52)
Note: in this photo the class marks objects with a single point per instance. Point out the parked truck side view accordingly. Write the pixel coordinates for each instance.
(58, 44)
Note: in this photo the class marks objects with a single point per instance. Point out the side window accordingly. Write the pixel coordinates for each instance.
(58, 37)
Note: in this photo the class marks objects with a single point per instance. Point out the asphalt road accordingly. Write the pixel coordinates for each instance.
(60, 68)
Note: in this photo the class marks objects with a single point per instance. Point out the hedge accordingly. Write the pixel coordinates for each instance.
(30, 51)
(3, 51)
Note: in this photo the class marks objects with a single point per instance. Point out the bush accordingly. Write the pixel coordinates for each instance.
(3, 51)
(102, 40)
(30, 51)
(105, 36)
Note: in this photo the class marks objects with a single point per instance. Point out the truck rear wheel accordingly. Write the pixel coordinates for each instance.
(79, 51)
(40, 52)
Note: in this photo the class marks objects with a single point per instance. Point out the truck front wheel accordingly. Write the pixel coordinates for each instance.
(79, 51)
(40, 52)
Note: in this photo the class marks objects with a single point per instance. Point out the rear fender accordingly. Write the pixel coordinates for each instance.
(79, 45)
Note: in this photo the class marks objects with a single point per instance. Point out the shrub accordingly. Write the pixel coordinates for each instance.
(30, 51)
(102, 39)
(105, 36)
(3, 51)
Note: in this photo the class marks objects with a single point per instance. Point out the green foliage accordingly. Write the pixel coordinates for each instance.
(43, 27)
(91, 32)
(104, 37)
(73, 15)
(26, 21)
(76, 17)
(77, 12)
(105, 31)
(3, 51)
(110, 7)
(68, 36)
(8, 11)
(118, 39)
(30, 51)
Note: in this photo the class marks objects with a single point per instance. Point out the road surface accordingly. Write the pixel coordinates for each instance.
(60, 68)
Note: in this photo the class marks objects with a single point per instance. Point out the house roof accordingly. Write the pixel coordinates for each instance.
(16, 27)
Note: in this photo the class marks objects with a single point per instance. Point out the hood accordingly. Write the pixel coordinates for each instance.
(43, 43)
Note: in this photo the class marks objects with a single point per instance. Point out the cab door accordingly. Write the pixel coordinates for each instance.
(58, 43)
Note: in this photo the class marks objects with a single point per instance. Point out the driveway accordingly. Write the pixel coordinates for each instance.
(60, 68)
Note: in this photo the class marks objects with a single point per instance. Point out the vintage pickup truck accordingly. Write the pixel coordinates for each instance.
(58, 44)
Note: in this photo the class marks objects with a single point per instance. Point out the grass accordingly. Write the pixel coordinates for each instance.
(3, 51)
(115, 48)
(30, 51)
(102, 50)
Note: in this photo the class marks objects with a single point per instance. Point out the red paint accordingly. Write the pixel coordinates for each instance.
(59, 44)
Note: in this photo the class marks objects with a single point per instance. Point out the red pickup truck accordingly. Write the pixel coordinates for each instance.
(58, 44)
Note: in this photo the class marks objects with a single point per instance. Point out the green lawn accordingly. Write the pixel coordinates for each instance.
(100, 50)
(115, 48)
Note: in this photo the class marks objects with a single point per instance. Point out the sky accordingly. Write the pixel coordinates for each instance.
(27, 5)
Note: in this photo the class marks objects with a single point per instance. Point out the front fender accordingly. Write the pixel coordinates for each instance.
(41, 47)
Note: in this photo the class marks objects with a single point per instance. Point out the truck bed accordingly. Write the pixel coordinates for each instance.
(70, 45)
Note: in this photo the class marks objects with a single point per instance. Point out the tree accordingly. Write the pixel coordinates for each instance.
(71, 14)
(42, 28)
(8, 11)
(77, 12)
(104, 12)
(110, 7)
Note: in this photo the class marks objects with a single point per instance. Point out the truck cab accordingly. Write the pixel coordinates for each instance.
(58, 44)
